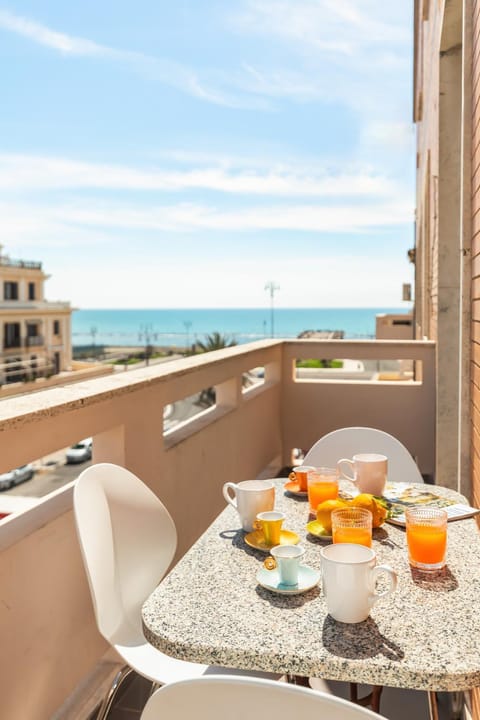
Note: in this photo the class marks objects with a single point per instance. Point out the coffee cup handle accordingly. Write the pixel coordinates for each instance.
(392, 581)
(343, 473)
(226, 494)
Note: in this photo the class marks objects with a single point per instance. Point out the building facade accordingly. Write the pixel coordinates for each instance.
(447, 252)
(35, 333)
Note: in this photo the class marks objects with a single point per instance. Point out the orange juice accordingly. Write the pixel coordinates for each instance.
(320, 491)
(357, 535)
(426, 544)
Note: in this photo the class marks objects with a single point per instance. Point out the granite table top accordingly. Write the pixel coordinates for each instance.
(426, 636)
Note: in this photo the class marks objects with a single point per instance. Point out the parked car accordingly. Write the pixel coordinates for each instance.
(17, 476)
(80, 452)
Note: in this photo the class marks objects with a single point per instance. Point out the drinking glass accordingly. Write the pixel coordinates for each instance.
(352, 525)
(322, 484)
(426, 537)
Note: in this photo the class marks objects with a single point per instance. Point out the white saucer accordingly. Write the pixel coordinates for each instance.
(308, 577)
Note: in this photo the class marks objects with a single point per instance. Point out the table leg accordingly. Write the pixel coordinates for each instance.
(298, 680)
(372, 699)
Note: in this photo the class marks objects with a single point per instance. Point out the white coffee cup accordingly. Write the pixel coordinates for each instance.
(287, 559)
(349, 575)
(250, 497)
(369, 472)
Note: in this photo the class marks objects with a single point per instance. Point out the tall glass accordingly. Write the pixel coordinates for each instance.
(426, 537)
(322, 484)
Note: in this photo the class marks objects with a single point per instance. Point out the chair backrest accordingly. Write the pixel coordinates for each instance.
(127, 539)
(237, 698)
(346, 442)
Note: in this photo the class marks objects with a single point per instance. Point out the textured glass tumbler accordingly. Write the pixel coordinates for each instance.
(426, 537)
(352, 525)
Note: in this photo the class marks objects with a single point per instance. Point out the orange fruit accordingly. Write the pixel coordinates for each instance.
(325, 509)
(369, 502)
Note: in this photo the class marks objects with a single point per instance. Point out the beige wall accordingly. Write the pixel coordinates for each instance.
(448, 226)
(442, 299)
(46, 622)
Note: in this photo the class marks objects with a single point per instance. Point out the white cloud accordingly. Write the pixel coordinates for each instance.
(165, 71)
(33, 172)
(43, 35)
(92, 219)
(339, 27)
(326, 282)
(354, 52)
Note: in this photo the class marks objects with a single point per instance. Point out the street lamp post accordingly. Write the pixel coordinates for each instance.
(188, 325)
(272, 288)
(147, 335)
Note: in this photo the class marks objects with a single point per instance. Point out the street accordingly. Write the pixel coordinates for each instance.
(51, 473)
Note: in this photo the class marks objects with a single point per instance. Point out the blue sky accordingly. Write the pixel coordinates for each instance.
(159, 154)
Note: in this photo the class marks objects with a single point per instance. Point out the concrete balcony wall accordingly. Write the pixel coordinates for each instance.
(313, 408)
(49, 637)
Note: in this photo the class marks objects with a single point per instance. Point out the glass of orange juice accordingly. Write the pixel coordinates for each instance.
(322, 484)
(426, 537)
(352, 525)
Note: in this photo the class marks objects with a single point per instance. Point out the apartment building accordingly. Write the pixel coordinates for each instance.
(447, 253)
(35, 333)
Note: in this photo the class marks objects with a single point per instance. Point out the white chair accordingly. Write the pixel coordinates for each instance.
(346, 442)
(128, 540)
(231, 698)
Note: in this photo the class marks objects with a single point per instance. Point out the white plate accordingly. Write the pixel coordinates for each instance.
(308, 577)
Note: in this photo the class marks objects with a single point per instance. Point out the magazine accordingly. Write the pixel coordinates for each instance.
(399, 496)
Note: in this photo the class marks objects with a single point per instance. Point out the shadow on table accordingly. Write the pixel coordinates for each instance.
(290, 601)
(437, 581)
(358, 640)
(237, 538)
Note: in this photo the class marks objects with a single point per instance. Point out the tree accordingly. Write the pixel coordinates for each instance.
(215, 341)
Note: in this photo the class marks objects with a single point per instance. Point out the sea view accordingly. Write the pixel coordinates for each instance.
(181, 327)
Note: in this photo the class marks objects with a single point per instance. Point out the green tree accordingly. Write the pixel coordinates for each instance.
(215, 341)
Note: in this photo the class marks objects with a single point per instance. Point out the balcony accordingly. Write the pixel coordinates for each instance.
(34, 341)
(47, 626)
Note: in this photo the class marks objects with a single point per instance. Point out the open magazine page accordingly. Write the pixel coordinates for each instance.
(399, 496)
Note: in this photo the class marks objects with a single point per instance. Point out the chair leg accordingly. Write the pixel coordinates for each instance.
(154, 686)
(432, 705)
(372, 699)
(118, 680)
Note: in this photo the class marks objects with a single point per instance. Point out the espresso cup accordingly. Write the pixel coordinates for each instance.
(349, 575)
(270, 523)
(286, 559)
(250, 497)
(369, 472)
(299, 475)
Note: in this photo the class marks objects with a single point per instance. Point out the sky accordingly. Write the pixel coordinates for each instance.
(186, 154)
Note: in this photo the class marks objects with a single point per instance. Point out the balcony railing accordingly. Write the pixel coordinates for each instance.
(46, 618)
(34, 341)
(28, 264)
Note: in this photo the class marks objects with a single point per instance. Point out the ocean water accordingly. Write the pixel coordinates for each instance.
(181, 327)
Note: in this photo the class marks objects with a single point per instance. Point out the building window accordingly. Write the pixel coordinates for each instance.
(31, 291)
(10, 291)
(11, 335)
(56, 327)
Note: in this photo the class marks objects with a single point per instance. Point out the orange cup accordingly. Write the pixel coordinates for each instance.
(299, 475)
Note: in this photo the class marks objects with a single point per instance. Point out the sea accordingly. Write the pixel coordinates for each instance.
(182, 327)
